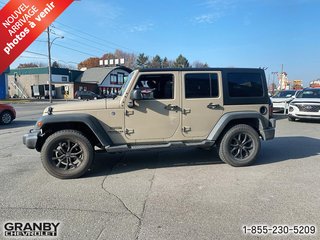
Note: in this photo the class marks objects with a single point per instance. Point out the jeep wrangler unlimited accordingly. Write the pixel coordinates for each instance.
(160, 108)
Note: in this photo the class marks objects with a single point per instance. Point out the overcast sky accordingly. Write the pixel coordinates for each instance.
(223, 33)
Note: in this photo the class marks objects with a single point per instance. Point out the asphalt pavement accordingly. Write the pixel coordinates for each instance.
(167, 194)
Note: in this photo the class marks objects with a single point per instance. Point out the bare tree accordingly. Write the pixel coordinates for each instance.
(28, 65)
(198, 64)
(129, 58)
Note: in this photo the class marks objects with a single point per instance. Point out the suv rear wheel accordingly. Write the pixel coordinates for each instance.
(67, 154)
(239, 146)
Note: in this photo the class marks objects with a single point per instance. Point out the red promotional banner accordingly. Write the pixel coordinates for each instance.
(21, 22)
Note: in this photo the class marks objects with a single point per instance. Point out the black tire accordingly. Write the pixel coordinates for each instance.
(6, 117)
(67, 154)
(291, 119)
(239, 146)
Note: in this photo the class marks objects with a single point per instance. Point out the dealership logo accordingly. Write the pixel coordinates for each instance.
(31, 229)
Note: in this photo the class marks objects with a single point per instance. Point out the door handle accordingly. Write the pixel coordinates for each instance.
(213, 106)
(171, 107)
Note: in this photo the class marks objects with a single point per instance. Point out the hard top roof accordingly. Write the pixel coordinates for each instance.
(198, 69)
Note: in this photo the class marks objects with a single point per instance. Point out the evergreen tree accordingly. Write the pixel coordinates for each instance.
(142, 61)
(156, 62)
(181, 62)
(55, 64)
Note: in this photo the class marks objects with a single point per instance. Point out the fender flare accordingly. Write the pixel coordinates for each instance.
(228, 117)
(90, 121)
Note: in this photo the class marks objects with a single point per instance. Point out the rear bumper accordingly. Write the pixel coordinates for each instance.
(30, 139)
(269, 133)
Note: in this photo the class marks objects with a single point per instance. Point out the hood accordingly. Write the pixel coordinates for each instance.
(281, 99)
(4, 105)
(306, 100)
(113, 103)
(79, 106)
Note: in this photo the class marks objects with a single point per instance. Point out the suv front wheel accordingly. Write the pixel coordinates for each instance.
(239, 146)
(67, 154)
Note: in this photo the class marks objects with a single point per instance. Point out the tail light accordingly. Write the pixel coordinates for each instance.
(270, 109)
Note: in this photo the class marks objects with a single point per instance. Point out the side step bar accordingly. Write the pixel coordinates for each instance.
(125, 147)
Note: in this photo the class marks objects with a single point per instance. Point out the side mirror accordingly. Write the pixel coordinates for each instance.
(136, 95)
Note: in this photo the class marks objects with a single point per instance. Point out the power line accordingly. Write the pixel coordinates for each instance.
(87, 45)
(85, 53)
(44, 58)
(87, 39)
(40, 54)
(95, 37)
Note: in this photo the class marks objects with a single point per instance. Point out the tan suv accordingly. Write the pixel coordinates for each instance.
(160, 108)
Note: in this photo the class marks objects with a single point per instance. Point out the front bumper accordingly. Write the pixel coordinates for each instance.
(295, 112)
(269, 133)
(279, 105)
(30, 139)
(305, 116)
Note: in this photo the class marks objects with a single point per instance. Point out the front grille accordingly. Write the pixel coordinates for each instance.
(309, 108)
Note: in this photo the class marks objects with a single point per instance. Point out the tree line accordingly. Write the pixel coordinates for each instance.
(141, 60)
(131, 60)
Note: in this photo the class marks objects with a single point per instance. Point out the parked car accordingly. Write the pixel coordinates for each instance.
(87, 95)
(282, 99)
(306, 105)
(7, 114)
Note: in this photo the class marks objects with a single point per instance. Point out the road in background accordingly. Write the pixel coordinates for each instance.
(175, 194)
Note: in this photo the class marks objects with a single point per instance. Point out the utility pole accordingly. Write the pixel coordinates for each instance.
(49, 66)
(273, 73)
(281, 77)
(49, 62)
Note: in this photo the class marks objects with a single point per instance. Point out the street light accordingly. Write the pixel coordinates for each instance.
(49, 56)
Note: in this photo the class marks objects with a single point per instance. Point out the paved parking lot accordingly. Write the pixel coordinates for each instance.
(176, 194)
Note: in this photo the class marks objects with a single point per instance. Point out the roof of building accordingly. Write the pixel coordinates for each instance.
(98, 74)
(44, 70)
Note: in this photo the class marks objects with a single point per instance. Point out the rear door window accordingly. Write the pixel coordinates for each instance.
(201, 85)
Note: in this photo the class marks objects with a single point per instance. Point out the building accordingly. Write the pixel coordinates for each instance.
(103, 80)
(297, 84)
(108, 79)
(4, 84)
(315, 84)
(20, 80)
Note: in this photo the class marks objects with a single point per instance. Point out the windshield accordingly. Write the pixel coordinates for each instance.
(284, 94)
(310, 93)
(125, 85)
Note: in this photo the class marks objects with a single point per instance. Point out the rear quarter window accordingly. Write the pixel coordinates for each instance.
(242, 85)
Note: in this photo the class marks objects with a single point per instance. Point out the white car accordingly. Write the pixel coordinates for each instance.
(282, 99)
(306, 105)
